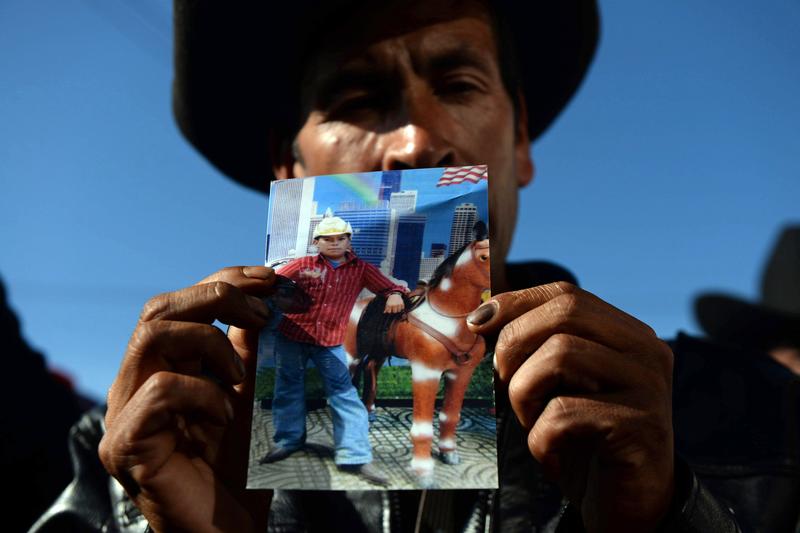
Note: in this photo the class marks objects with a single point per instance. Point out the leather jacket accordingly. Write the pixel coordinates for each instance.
(737, 438)
(95, 502)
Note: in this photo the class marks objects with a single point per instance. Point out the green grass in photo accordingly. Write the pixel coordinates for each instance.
(394, 382)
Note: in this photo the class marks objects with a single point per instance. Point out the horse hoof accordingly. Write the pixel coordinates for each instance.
(426, 480)
(422, 468)
(450, 457)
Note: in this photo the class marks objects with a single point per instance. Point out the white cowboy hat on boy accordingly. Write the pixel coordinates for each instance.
(330, 226)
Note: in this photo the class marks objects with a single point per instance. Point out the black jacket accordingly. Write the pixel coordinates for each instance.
(736, 417)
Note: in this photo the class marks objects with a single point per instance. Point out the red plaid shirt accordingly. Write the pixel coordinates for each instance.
(333, 293)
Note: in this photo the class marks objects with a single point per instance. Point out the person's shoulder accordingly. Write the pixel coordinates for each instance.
(93, 501)
(734, 406)
(294, 263)
(736, 419)
(356, 262)
(698, 354)
(351, 257)
(306, 259)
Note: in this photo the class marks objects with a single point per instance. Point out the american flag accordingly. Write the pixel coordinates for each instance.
(456, 175)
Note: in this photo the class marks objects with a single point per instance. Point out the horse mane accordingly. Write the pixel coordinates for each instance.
(446, 268)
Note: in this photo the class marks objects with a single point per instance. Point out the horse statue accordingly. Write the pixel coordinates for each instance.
(432, 334)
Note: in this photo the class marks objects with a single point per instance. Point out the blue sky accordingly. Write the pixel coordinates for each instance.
(331, 192)
(669, 174)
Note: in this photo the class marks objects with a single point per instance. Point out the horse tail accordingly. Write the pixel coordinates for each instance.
(368, 333)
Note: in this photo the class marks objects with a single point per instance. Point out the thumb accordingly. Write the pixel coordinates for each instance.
(490, 317)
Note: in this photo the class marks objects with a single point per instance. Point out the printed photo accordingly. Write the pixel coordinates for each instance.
(368, 377)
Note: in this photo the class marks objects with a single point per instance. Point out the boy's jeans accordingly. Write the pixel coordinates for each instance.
(350, 422)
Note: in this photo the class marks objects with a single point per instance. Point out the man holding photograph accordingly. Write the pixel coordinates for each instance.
(333, 279)
(313, 88)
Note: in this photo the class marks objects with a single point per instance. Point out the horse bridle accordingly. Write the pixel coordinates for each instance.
(473, 254)
(459, 356)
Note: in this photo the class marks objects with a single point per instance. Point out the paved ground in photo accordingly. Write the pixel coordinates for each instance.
(313, 467)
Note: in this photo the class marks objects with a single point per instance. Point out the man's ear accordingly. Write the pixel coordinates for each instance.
(524, 166)
(284, 162)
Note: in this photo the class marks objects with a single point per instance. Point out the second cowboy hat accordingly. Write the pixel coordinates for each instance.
(772, 322)
(235, 66)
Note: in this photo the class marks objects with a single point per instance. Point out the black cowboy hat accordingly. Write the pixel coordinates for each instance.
(773, 321)
(235, 64)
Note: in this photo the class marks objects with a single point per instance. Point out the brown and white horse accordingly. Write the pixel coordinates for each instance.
(434, 337)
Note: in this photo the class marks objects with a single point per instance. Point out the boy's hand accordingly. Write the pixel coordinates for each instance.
(394, 304)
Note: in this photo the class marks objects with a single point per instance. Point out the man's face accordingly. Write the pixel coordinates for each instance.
(333, 246)
(424, 90)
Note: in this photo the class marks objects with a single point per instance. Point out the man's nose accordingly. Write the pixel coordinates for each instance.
(417, 146)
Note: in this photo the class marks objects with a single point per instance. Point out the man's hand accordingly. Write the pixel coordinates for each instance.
(593, 387)
(176, 439)
(394, 304)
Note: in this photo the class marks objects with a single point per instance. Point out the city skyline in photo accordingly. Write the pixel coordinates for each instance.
(404, 222)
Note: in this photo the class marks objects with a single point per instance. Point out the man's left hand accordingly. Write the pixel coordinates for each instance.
(593, 386)
(394, 304)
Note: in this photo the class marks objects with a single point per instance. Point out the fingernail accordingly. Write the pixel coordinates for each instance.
(239, 367)
(258, 306)
(229, 408)
(482, 314)
(494, 360)
(257, 272)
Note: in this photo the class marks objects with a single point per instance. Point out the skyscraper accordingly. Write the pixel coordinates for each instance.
(464, 218)
(410, 230)
(400, 203)
(438, 249)
(427, 266)
(315, 220)
(403, 202)
(390, 182)
(292, 209)
(370, 232)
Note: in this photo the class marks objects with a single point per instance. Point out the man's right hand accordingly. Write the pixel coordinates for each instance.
(176, 439)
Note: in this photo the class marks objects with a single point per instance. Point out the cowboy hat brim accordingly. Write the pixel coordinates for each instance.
(736, 321)
(234, 68)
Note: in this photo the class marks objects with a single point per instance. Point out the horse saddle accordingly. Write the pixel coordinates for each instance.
(375, 332)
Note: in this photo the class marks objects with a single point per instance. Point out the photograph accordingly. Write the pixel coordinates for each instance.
(368, 377)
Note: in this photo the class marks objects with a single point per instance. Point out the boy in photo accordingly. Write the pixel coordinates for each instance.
(333, 279)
